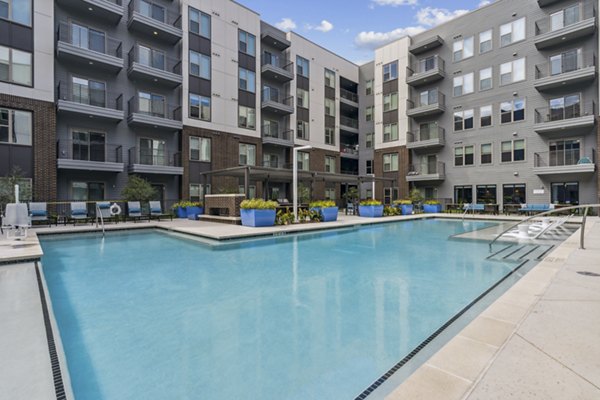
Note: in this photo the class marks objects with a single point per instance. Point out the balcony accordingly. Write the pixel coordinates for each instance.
(277, 69)
(274, 37)
(348, 97)
(107, 10)
(164, 71)
(142, 161)
(426, 71)
(153, 114)
(432, 104)
(159, 23)
(96, 51)
(567, 120)
(565, 162)
(89, 102)
(275, 102)
(565, 73)
(276, 164)
(545, 3)
(427, 172)
(273, 135)
(426, 139)
(86, 156)
(426, 45)
(348, 124)
(349, 151)
(549, 32)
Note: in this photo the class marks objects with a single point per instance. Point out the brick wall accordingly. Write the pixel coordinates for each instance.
(317, 164)
(598, 156)
(43, 141)
(400, 175)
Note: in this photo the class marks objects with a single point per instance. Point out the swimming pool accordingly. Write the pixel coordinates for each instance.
(148, 315)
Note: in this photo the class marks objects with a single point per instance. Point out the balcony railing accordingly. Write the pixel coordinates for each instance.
(348, 95)
(568, 63)
(154, 108)
(163, 63)
(85, 95)
(552, 114)
(274, 132)
(163, 15)
(426, 65)
(349, 149)
(433, 168)
(154, 157)
(92, 40)
(273, 94)
(278, 62)
(425, 135)
(432, 98)
(349, 122)
(89, 151)
(276, 164)
(561, 158)
(550, 24)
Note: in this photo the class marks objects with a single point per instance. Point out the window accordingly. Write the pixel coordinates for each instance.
(369, 166)
(514, 194)
(329, 164)
(428, 97)
(330, 136)
(428, 130)
(463, 84)
(87, 91)
(565, 17)
(464, 156)
(369, 113)
(152, 10)
(369, 141)
(513, 71)
(486, 153)
(151, 104)
(485, 79)
(512, 32)
(565, 193)
(88, 146)
(390, 102)
(251, 191)
(390, 194)
(302, 130)
(329, 193)
(247, 43)
(302, 66)
(463, 49)
(16, 127)
(15, 66)
(199, 23)
(16, 11)
(369, 87)
(463, 120)
(199, 107)
(247, 154)
(247, 80)
(197, 191)
(485, 41)
(390, 132)
(329, 78)
(427, 64)
(302, 98)
(151, 57)
(200, 149)
(153, 152)
(390, 162)
(565, 107)
(513, 150)
(87, 38)
(303, 161)
(87, 191)
(485, 116)
(390, 71)
(486, 194)
(330, 107)
(199, 65)
(565, 152)
(565, 62)
(246, 117)
(512, 111)
(463, 194)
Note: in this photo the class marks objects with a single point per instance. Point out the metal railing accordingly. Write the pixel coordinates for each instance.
(273, 131)
(94, 40)
(154, 108)
(433, 97)
(89, 151)
(568, 64)
(425, 65)
(585, 207)
(272, 94)
(163, 63)
(560, 158)
(273, 164)
(349, 148)
(163, 16)
(154, 157)
(437, 167)
(551, 114)
(350, 122)
(431, 134)
(99, 215)
(67, 91)
(348, 95)
(586, 10)
(349, 171)
(278, 62)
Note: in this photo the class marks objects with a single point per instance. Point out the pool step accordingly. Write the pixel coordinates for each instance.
(521, 252)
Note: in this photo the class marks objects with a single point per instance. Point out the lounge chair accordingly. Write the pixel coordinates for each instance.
(16, 221)
(39, 213)
(104, 208)
(530, 209)
(134, 210)
(156, 211)
(78, 212)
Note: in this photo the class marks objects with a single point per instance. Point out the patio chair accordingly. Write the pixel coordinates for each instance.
(78, 212)
(156, 211)
(134, 210)
(350, 209)
(39, 213)
(15, 221)
(104, 208)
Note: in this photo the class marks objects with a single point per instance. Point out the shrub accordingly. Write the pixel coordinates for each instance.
(258, 204)
(416, 196)
(431, 202)
(370, 203)
(284, 217)
(138, 189)
(404, 202)
(391, 211)
(322, 204)
(185, 204)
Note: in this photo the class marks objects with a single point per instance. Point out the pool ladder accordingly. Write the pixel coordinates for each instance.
(99, 214)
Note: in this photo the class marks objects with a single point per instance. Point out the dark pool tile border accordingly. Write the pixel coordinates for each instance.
(19, 261)
(434, 335)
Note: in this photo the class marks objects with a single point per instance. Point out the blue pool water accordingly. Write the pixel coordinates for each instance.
(320, 316)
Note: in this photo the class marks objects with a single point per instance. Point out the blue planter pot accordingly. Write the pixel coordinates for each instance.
(432, 208)
(193, 212)
(370, 211)
(181, 212)
(407, 209)
(257, 218)
(329, 214)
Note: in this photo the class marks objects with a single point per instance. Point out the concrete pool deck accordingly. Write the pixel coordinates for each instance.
(538, 340)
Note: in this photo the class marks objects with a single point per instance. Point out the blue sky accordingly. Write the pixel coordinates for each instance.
(353, 28)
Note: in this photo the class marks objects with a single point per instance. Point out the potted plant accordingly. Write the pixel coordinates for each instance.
(391, 211)
(193, 209)
(432, 206)
(370, 208)
(180, 209)
(406, 206)
(258, 212)
(326, 209)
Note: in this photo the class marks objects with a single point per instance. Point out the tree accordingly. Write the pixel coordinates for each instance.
(7, 187)
(138, 189)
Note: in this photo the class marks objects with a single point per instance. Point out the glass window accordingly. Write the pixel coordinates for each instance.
(303, 161)
(369, 113)
(89, 146)
(247, 43)
(512, 32)
(329, 78)
(428, 97)
(565, 17)
(87, 191)
(512, 111)
(16, 127)
(152, 104)
(302, 66)
(565, 107)
(390, 132)
(369, 141)
(459, 153)
(153, 152)
(565, 193)
(485, 78)
(302, 130)
(514, 194)
(247, 80)
(486, 194)
(485, 116)
(247, 154)
(369, 166)
(463, 120)
(513, 150)
(513, 71)
(463, 194)
(329, 164)
(564, 152)
(565, 62)
(463, 49)
(200, 65)
(486, 153)
(199, 107)
(390, 71)
(463, 84)
(369, 87)
(197, 191)
(390, 102)
(390, 162)
(87, 91)
(329, 135)
(15, 66)
(16, 11)
(485, 41)
(330, 107)
(302, 97)
(246, 117)
(200, 149)
(199, 23)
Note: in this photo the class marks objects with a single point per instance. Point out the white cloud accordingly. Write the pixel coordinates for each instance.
(395, 3)
(324, 26)
(430, 16)
(286, 24)
(372, 40)
(483, 3)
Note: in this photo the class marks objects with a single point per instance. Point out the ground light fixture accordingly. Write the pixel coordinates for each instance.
(295, 151)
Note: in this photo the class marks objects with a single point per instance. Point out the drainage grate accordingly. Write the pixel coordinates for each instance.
(588, 273)
(59, 387)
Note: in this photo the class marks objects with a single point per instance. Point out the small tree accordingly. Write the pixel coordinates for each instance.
(7, 187)
(138, 189)
(351, 195)
(416, 196)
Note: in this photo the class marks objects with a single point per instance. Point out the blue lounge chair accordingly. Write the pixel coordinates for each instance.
(78, 212)
(105, 211)
(134, 210)
(39, 213)
(474, 207)
(156, 211)
(535, 208)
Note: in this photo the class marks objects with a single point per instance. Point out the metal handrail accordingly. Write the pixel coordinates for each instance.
(99, 213)
(586, 207)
